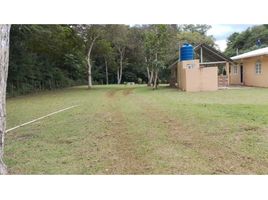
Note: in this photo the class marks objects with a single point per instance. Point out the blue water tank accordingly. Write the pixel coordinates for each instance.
(186, 52)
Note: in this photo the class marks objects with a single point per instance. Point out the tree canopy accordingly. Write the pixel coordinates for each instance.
(248, 40)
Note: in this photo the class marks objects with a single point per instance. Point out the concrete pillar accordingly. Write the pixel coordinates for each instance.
(227, 66)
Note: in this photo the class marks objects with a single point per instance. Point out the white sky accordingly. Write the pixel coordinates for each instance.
(222, 31)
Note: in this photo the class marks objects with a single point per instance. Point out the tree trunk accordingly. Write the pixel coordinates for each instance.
(106, 72)
(118, 76)
(149, 73)
(151, 78)
(4, 59)
(155, 79)
(156, 74)
(120, 69)
(89, 63)
(89, 84)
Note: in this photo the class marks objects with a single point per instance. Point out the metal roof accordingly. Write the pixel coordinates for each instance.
(211, 53)
(258, 52)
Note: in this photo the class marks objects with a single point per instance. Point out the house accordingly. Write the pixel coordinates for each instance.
(250, 68)
(208, 71)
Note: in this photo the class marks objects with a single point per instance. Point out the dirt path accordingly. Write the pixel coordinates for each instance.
(128, 91)
(127, 162)
(111, 93)
(144, 149)
(119, 149)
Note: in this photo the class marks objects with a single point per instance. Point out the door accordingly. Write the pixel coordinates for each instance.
(241, 73)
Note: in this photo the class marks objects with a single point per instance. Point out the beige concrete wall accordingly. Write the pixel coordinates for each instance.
(250, 76)
(209, 78)
(181, 78)
(189, 63)
(235, 78)
(193, 78)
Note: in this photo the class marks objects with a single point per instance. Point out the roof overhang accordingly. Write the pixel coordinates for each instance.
(258, 52)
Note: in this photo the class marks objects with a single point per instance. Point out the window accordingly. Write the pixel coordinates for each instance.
(235, 69)
(258, 67)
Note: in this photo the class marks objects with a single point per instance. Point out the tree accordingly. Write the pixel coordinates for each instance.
(157, 43)
(89, 33)
(44, 57)
(119, 37)
(149, 54)
(231, 44)
(247, 40)
(136, 66)
(4, 60)
(195, 28)
(107, 52)
(195, 38)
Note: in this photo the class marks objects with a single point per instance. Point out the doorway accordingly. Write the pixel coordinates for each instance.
(241, 73)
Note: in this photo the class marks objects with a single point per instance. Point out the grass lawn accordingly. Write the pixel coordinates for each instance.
(135, 130)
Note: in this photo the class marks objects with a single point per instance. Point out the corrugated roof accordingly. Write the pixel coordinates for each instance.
(258, 52)
(211, 53)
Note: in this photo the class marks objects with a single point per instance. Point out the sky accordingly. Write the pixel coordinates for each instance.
(222, 31)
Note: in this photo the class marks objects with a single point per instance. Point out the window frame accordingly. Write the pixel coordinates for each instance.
(258, 68)
(235, 71)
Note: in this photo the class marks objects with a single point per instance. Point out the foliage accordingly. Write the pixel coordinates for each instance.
(246, 40)
(195, 38)
(195, 28)
(160, 48)
(44, 57)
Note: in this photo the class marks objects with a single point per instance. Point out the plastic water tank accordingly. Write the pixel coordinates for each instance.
(186, 52)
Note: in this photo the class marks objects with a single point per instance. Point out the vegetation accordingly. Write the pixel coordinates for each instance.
(134, 130)
(248, 40)
(195, 34)
(158, 44)
(44, 57)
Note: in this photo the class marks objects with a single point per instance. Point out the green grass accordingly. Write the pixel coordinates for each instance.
(135, 130)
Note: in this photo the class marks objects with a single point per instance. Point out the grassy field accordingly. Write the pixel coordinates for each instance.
(135, 130)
